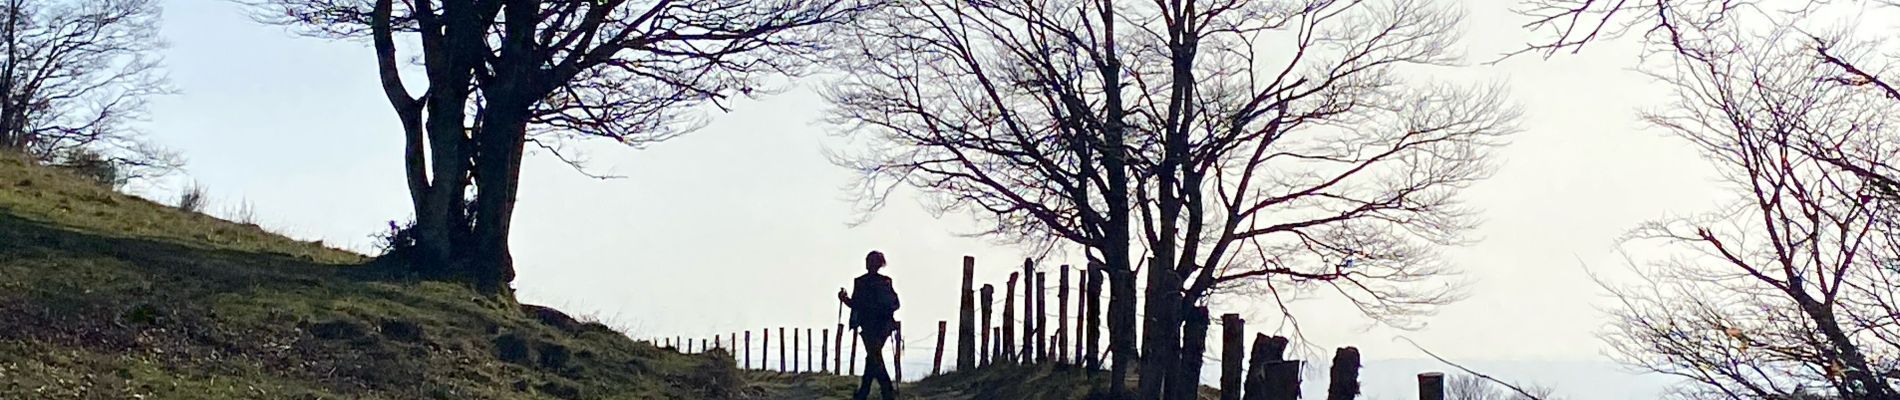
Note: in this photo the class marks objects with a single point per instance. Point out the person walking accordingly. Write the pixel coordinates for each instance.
(871, 314)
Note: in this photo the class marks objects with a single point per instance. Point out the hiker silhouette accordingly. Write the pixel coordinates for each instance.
(871, 315)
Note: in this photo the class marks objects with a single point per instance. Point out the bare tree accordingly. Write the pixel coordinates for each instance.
(501, 74)
(1267, 145)
(1011, 111)
(74, 77)
(1789, 291)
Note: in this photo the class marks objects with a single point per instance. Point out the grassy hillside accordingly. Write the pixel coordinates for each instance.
(109, 296)
(104, 295)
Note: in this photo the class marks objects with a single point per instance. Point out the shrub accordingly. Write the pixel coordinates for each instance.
(194, 198)
(398, 241)
(94, 166)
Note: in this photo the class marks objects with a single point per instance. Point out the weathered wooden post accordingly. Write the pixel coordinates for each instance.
(897, 356)
(1094, 315)
(1042, 317)
(837, 352)
(1232, 355)
(795, 349)
(666, 342)
(936, 364)
(1283, 380)
(748, 349)
(1081, 308)
(1345, 375)
(811, 343)
(1186, 382)
(824, 352)
(1062, 316)
(781, 349)
(1266, 352)
(987, 296)
(966, 317)
(702, 346)
(1431, 386)
(1029, 312)
(997, 336)
(716, 343)
(1007, 352)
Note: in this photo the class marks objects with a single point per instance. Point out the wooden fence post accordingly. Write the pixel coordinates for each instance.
(824, 352)
(986, 297)
(1186, 382)
(1344, 383)
(1062, 316)
(810, 343)
(747, 350)
(897, 356)
(1007, 351)
(1266, 351)
(1094, 315)
(702, 346)
(936, 364)
(1232, 355)
(1042, 317)
(837, 352)
(966, 317)
(1029, 312)
(1431, 386)
(1081, 308)
(795, 349)
(997, 335)
(781, 349)
(1283, 380)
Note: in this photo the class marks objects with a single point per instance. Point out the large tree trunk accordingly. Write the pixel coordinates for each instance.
(1121, 326)
(1185, 382)
(1161, 330)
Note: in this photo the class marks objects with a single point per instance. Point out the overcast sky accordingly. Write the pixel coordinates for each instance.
(743, 225)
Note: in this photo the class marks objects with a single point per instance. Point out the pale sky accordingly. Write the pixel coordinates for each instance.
(743, 225)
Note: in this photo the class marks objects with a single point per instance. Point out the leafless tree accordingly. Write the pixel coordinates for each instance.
(1267, 145)
(501, 74)
(1789, 291)
(74, 77)
(1786, 293)
(1003, 110)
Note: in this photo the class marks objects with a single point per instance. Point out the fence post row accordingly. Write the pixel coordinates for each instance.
(966, 317)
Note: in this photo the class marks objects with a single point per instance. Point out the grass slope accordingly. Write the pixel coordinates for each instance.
(104, 295)
(109, 296)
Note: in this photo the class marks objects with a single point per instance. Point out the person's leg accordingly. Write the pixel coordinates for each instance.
(873, 362)
(876, 371)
